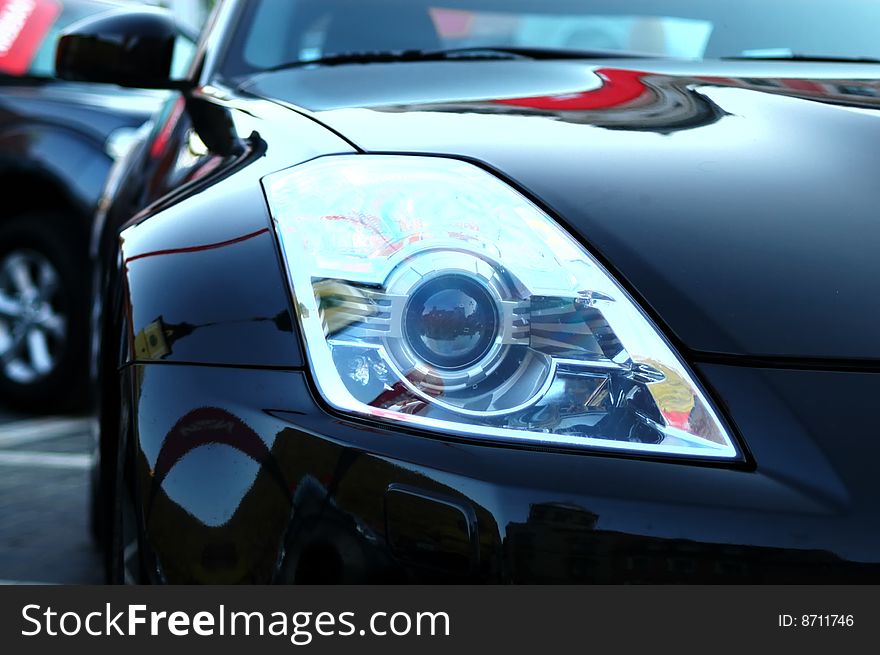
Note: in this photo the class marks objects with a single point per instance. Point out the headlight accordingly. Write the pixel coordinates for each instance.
(431, 293)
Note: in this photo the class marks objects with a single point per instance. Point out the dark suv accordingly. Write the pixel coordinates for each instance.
(58, 141)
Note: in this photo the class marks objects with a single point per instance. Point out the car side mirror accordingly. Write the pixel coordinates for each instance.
(128, 47)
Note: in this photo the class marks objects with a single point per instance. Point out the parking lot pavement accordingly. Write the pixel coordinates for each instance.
(44, 482)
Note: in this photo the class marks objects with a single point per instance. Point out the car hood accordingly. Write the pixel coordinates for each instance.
(739, 203)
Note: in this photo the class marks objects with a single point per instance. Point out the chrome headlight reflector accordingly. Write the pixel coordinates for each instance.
(431, 293)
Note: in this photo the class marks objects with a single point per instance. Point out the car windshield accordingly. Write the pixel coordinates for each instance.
(278, 33)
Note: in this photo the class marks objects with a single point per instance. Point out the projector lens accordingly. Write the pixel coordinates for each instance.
(451, 322)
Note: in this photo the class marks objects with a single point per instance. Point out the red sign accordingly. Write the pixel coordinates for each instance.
(24, 24)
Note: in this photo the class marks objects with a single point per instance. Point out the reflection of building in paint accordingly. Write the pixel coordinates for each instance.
(311, 510)
(849, 92)
(561, 543)
(625, 99)
(156, 340)
(652, 102)
(180, 532)
(557, 543)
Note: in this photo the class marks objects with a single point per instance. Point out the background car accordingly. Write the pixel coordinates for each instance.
(376, 307)
(58, 141)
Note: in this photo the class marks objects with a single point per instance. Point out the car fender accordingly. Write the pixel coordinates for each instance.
(66, 168)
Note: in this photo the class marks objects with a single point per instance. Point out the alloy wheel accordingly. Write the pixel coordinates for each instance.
(33, 331)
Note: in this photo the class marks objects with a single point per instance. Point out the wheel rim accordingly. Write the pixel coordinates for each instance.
(32, 329)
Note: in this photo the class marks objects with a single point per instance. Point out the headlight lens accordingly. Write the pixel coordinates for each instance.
(432, 293)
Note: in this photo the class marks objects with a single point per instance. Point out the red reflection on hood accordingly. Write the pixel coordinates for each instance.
(619, 87)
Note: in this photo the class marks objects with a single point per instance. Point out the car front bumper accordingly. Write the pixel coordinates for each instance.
(243, 476)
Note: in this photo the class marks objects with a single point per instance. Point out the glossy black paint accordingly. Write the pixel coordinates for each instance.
(737, 209)
(252, 448)
(736, 205)
(183, 265)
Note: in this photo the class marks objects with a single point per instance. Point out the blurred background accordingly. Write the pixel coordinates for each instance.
(191, 13)
(58, 144)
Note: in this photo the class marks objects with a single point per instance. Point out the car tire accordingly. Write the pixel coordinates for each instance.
(44, 299)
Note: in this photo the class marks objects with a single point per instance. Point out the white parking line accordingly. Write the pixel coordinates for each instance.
(30, 583)
(46, 460)
(40, 429)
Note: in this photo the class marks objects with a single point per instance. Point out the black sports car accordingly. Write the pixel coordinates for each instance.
(529, 291)
(58, 142)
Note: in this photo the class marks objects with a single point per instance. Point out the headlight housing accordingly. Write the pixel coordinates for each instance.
(431, 293)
